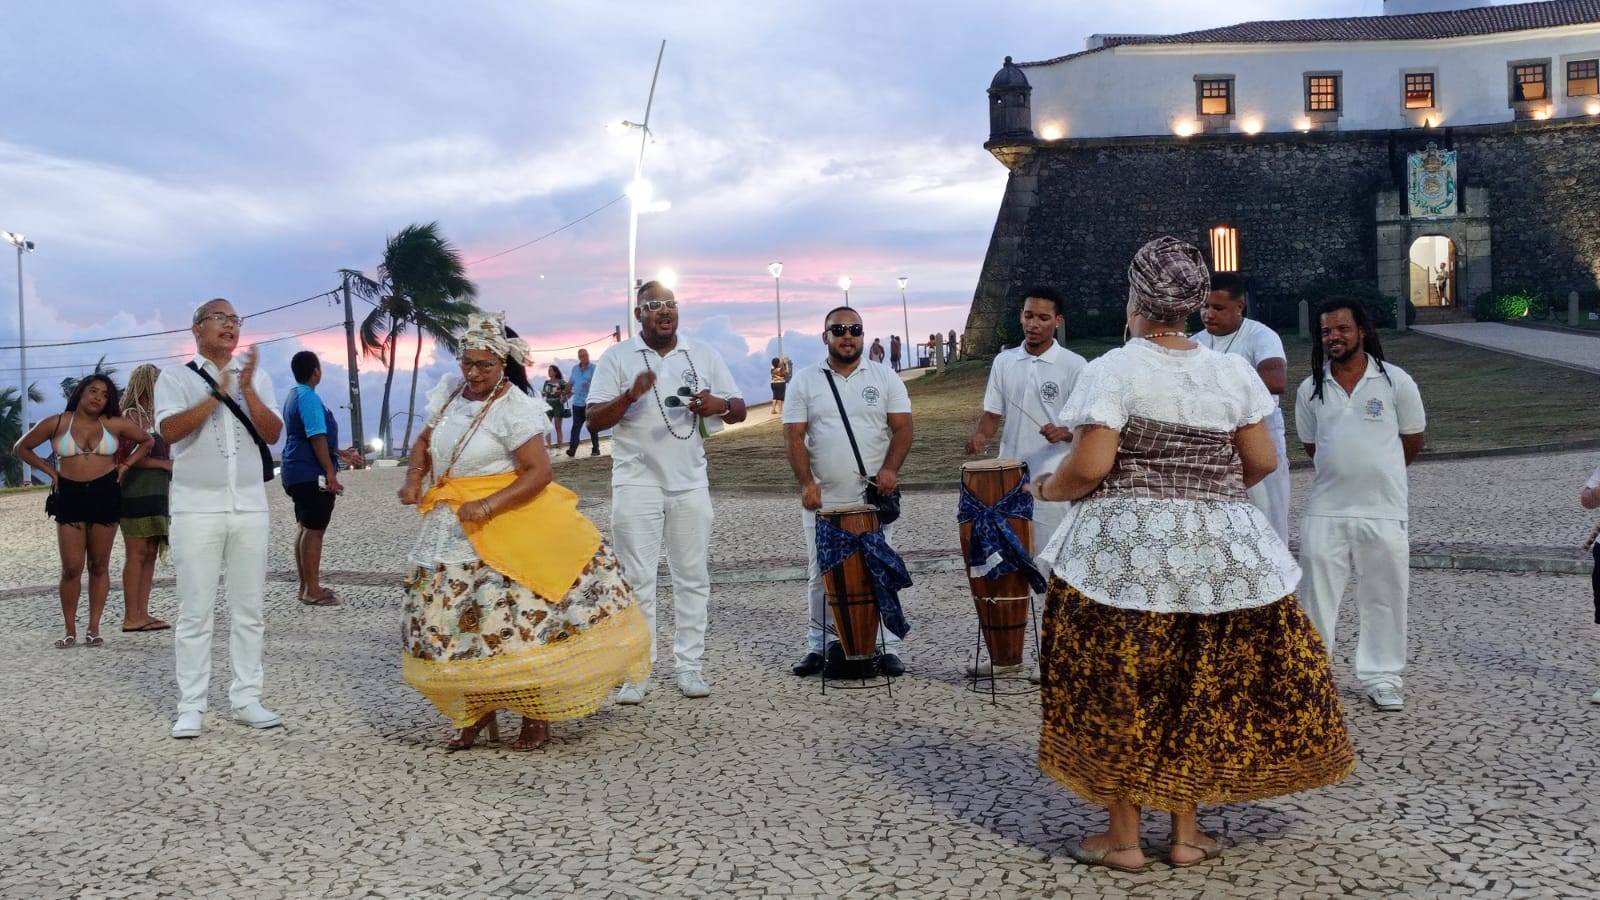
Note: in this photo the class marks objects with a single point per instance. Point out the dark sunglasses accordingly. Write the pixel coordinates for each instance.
(653, 305)
(842, 330)
(677, 400)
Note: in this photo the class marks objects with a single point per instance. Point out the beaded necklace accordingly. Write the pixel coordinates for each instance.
(655, 390)
(472, 427)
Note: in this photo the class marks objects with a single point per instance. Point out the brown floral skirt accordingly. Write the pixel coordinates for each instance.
(477, 641)
(1169, 710)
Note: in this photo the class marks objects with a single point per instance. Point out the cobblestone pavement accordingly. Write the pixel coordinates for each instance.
(1567, 348)
(1482, 787)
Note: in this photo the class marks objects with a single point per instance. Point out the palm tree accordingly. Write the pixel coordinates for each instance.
(12, 428)
(421, 284)
(70, 383)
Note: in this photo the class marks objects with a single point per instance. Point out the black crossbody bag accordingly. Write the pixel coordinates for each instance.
(888, 505)
(244, 419)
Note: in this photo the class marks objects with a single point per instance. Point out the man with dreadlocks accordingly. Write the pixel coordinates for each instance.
(1362, 423)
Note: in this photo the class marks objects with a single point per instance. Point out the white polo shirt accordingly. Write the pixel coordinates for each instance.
(1029, 391)
(644, 450)
(1361, 465)
(870, 394)
(217, 468)
(1252, 340)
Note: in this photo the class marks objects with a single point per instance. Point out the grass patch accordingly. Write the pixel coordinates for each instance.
(1476, 399)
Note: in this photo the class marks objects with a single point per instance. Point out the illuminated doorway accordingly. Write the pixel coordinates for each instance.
(1433, 271)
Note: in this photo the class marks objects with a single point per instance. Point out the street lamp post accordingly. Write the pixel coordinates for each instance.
(640, 196)
(23, 245)
(904, 314)
(844, 285)
(777, 301)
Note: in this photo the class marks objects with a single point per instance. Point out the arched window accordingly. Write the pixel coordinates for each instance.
(1224, 248)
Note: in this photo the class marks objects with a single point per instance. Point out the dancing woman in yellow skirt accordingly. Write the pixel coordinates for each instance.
(513, 600)
(1178, 668)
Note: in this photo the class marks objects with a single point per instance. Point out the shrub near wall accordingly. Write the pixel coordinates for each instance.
(1499, 307)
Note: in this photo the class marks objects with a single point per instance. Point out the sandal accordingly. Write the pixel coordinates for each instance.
(326, 598)
(67, 642)
(152, 625)
(1088, 857)
(1211, 851)
(522, 743)
(93, 639)
(468, 736)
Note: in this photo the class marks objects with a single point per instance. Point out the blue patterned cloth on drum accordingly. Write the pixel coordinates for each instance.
(884, 566)
(994, 549)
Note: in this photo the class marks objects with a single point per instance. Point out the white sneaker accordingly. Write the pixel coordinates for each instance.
(631, 694)
(692, 685)
(1033, 674)
(985, 670)
(1385, 697)
(256, 716)
(188, 725)
(1595, 698)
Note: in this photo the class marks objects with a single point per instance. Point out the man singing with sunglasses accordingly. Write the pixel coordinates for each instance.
(825, 463)
(660, 392)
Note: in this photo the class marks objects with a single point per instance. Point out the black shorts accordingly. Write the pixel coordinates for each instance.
(779, 388)
(313, 506)
(97, 502)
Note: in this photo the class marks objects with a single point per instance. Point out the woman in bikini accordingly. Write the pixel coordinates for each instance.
(85, 494)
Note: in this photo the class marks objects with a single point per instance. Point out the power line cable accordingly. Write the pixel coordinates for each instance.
(553, 233)
(124, 362)
(129, 337)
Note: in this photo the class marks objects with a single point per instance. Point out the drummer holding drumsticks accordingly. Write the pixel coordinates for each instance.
(875, 399)
(1028, 385)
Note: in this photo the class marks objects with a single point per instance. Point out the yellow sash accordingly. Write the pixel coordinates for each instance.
(542, 544)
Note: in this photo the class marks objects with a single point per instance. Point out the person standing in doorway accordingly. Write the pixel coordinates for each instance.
(217, 413)
(663, 394)
(1028, 386)
(310, 473)
(1362, 423)
(894, 352)
(1227, 330)
(582, 375)
(823, 456)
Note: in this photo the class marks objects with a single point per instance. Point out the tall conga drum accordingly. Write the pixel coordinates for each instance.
(1002, 601)
(848, 587)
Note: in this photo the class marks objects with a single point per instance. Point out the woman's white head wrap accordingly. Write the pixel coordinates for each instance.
(487, 331)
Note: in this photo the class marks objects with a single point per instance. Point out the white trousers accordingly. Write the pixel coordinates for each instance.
(642, 519)
(1271, 494)
(205, 546)
(816, 596)
(1378, 553)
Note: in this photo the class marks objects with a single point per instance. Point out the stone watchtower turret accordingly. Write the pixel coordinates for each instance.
(1010, 114)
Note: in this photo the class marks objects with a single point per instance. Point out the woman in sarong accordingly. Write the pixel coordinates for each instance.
(1178, 666)
(513, 601)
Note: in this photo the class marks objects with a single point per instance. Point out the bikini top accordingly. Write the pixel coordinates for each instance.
(67, 445)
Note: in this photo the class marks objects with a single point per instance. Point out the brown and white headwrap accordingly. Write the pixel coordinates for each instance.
(487, 331)
(1168, 280)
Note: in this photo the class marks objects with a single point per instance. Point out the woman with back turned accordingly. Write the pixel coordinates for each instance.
(1178, 667)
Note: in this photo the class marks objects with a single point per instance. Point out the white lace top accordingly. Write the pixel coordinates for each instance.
(511, 422)
(1164, 554)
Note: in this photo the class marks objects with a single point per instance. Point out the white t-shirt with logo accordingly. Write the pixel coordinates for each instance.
(1361, 465)
(1030, 391)
(870, 394)
(656, 445)
(1252, 340)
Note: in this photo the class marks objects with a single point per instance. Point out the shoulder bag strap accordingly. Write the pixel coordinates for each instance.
(244, 418)
(845, 417)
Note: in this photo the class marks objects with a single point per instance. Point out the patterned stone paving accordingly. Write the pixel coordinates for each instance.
(1483, 787)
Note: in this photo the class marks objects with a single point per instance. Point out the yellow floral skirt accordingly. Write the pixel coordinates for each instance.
(1170, 710)
(476, 641)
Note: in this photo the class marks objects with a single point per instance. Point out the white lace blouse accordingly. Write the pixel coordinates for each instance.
(1166, 554)
(511, 422)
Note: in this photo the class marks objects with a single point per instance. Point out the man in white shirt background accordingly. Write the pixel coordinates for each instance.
(218, 504)
(824, 465)
(658, 391)
(1228, 330)
(1028, 385)
(1362, 422)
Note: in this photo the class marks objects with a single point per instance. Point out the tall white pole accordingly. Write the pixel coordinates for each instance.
(904, 314)
(633, 202)
(22, 349)
(777, 300)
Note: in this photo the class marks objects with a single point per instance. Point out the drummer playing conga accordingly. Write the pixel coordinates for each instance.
(1028, 385)
(875, 399)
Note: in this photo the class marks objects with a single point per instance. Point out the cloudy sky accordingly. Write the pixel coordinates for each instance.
(161, 153)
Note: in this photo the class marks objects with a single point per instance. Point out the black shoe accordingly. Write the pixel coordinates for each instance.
(892, 666)
(572, 451)
(595, 452)
(810, 665)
